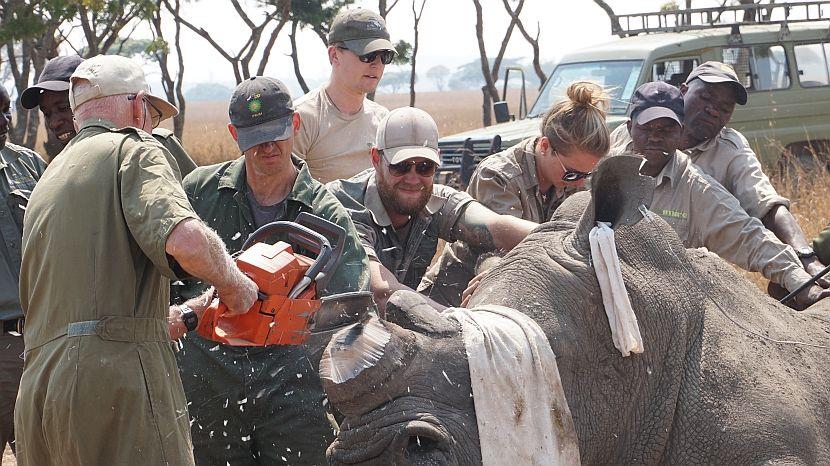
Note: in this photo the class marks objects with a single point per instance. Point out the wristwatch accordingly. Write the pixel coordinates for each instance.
(805, 253)
(189, 318)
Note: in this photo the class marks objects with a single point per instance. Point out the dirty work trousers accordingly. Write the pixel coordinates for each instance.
(11, 367)
(108, 399)
(253, 406)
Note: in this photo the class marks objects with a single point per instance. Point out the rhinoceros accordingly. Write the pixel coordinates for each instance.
(727, 375)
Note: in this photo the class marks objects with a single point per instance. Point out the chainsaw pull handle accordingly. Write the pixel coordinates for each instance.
(306, 238)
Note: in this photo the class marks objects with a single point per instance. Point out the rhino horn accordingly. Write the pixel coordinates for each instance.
(617, 192)
(360, 363)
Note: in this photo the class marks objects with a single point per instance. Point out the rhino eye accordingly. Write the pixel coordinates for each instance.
(419, 444)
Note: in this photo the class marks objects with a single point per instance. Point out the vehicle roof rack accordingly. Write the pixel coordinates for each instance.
(727, 16)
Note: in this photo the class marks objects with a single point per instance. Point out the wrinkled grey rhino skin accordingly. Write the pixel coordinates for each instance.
(707, 389)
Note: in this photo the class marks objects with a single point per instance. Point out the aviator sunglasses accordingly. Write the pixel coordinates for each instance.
(571, 175)
(386, 56)
(423, 168)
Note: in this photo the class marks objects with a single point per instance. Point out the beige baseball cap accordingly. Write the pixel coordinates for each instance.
(407, 133)
(114, 75)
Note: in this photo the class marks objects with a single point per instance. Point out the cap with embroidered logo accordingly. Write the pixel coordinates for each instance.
(261, 111)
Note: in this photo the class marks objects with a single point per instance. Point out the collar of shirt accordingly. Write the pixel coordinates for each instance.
(672, 170)
(705, 145)
(526, 157)
(8, 156)
(104, 123)
(375, 206)
(302, 192)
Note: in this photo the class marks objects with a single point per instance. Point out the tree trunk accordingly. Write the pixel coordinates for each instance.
(295, 57)
(417, 18)
(615, 23)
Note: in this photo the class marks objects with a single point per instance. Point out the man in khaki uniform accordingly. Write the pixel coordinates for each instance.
(51, 94)
(400, 215)
(20, 169)
(697, 207)
(105, 230)
(338, 121)
(710, 94)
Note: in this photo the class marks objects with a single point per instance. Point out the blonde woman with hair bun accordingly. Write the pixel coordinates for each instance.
(531, 179)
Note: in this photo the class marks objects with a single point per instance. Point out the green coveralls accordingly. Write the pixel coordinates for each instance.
(259, 405)
(822, 246)
(100, 384)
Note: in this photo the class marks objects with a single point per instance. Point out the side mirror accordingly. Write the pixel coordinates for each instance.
(501, 111)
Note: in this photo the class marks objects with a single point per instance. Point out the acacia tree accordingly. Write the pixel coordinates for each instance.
(277, 11)
(30, 37)
(315, 15)
(491, 74)
(533, 41)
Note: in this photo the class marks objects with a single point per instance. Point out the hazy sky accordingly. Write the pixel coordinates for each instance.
(447, 35)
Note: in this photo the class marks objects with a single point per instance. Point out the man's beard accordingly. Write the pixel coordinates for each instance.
(391, 200)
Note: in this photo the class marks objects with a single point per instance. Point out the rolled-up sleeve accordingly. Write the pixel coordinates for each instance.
(447, 205)
(153, 201)
(488, 188)
(719, 223)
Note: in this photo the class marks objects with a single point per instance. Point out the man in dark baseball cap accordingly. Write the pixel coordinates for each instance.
(54, 78)
(655, 113)
(361, 31)
(275, 411)
(339, 122)
(656, 100)
(717, 72)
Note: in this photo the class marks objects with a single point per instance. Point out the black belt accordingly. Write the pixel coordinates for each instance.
(13, 325)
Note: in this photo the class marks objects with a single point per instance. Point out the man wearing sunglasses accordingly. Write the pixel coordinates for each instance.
(400, 215)
(699, 209)
(339, 122)
(51, 94)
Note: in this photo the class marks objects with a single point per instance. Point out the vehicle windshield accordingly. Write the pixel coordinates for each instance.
(618, 77)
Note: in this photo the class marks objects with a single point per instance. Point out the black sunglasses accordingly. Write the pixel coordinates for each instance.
(422, 168)
(571, 175)
(386, 56)
(155, 115)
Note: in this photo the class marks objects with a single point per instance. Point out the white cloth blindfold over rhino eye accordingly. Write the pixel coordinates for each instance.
(521, 411)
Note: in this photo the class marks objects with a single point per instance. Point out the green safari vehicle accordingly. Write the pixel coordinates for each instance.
(784, 64)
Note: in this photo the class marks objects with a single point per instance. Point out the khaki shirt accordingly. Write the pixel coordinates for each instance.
(335, 145)
(728, 159)
(704, 214)
(506, 183)
(20, 169)
(409, 257)
(95, 284)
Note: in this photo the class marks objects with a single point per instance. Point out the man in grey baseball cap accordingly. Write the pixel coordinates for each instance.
(339, 122)
(286, 421)
(400, 214)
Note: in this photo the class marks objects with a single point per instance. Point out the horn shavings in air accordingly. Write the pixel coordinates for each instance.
(354, 349)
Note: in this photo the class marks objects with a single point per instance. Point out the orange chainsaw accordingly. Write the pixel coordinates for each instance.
(287, 283)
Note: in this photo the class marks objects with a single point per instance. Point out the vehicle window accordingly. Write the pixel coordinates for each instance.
(813, 66)
(618, 77)
(760, 67)
(673, 72)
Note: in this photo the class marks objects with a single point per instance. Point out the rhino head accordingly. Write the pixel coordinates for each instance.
(404, 383)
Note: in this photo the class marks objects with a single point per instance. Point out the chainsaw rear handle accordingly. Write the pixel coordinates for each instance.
(304, 237)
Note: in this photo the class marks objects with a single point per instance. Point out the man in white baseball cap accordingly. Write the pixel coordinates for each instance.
(105, 230)
(400, 214)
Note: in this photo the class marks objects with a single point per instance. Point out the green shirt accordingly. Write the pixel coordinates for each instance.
(20, 169)
(218, 194)
(822, 246)
(408, 255)
(95, 232)
(172, 143)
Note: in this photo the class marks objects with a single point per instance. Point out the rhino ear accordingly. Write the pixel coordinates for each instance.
(412, 311)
